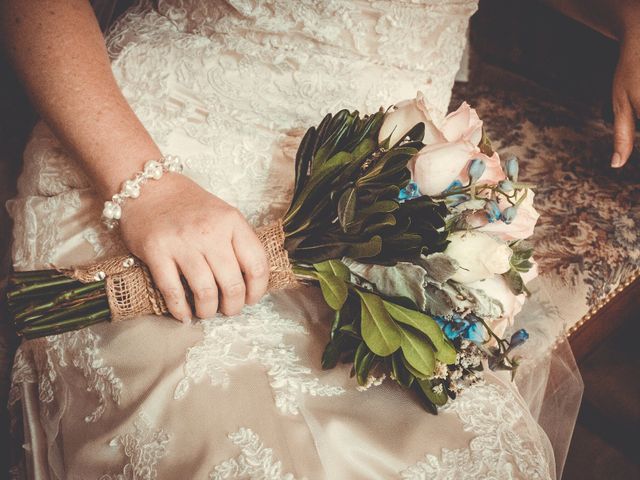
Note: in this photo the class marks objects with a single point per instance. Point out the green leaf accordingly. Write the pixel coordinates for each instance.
(362, 363)
(413, 371)
(367, 249)
(402, 375)
(427, 325)
(515, 282)
(438, 399)
(485, 144)
(347, 208)
(379, 331)
(316, 184)
(336, 267)
(333, 289)
(427, 404)
(386, 221)
(383, 206)
(418, 351)
(334, 350)
(303, 158)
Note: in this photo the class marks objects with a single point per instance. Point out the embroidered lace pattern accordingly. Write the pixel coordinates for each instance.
(143, 448)
(497, 451)
(256, 335)
(255, 461)
(77, 349)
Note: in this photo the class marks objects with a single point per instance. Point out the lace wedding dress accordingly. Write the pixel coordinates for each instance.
(229, 86)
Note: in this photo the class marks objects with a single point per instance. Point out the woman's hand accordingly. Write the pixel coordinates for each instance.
(176, 227)
(626, 97)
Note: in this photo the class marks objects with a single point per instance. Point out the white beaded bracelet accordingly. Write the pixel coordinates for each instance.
(153, 170)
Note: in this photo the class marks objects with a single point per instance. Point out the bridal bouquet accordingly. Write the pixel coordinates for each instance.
(413, 229)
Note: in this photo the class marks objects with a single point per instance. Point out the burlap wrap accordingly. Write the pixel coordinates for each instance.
(131, 291)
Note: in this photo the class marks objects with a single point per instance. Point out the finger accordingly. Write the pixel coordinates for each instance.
(167, 279)
(201, 282)
(231, 287)
(252, 259)
(623, 130)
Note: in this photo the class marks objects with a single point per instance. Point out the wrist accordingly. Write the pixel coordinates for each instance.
(132, 188)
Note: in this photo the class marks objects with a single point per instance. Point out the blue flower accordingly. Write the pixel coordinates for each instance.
(454, 185)
(518, 338)
(512, 168)
(506, 186)
(458, 327)
(409, 192)
(509, 215)
(493, 211)
(476, 169)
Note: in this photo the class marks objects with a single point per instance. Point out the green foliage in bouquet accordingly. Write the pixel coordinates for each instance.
(345, 201)
(345, 204)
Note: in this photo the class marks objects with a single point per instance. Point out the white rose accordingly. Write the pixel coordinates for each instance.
(479, 256)
(406, 115)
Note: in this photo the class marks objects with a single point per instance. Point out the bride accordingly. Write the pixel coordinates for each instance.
(240, 393)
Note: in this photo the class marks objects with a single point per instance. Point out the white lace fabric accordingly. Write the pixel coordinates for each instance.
(230, 86)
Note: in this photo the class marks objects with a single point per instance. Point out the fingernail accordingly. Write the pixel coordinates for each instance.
(187, 320)
(616, 160)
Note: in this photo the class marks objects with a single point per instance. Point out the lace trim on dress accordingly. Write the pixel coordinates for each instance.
(80, 349)
(494, 415)
(144, 447)
(255, 335)
(255, 461)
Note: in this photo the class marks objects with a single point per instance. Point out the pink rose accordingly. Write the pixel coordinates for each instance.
(520, 228)
(439, 164)
(406, 115)
(463, 124)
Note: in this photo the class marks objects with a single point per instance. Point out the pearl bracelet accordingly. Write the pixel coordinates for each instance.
(153, 170)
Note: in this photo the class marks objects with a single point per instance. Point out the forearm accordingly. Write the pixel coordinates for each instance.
(58, 50)
(616, 19)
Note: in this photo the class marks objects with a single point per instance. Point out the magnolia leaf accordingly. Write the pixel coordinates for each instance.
(365, 249)
(333, 351)
(402, 375)
(384, 206)
(303, 158)
(333, 289)
(350, 330)
(335, 267)
(438, 399)
(418, 351)
(427, 325)
(379, 331)
(427, 404)
(362, 363)
(386, 221)
(337, 323)
(413, 371)
(347, 207)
